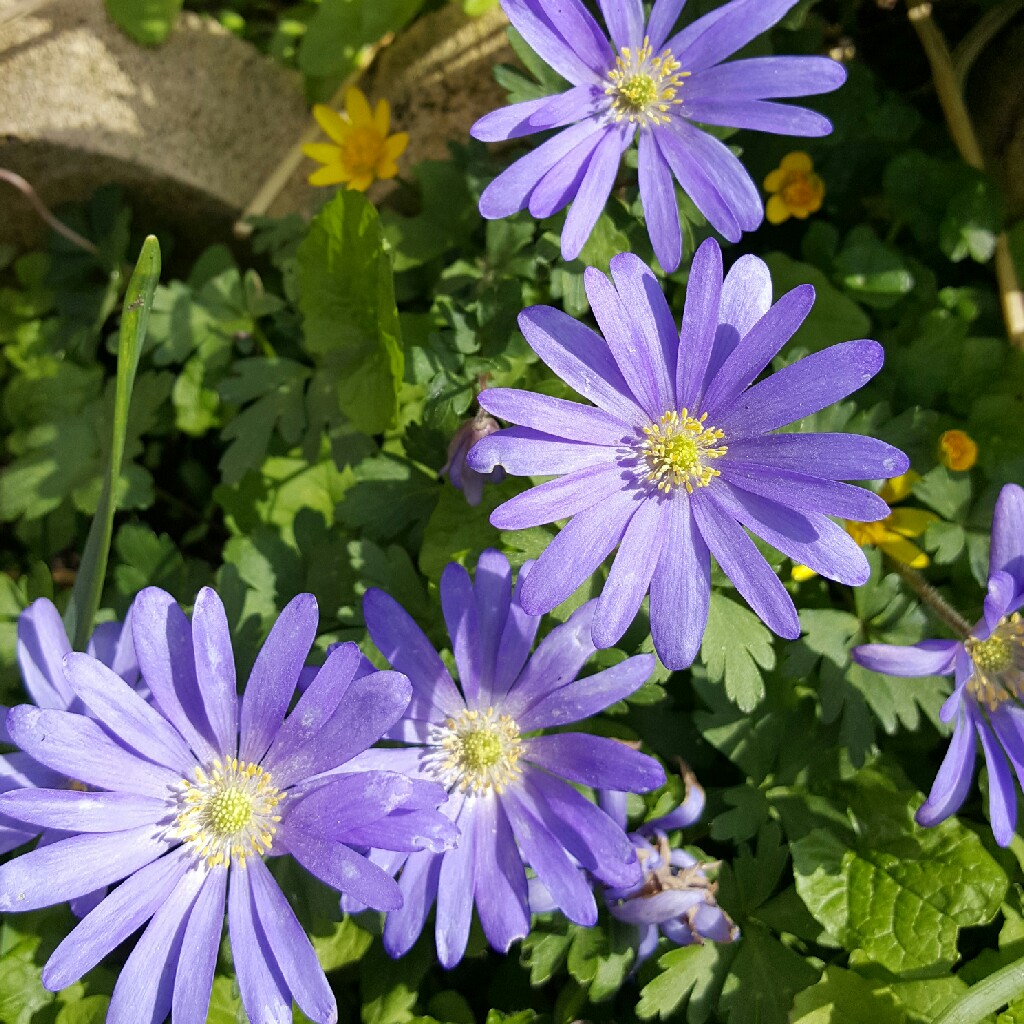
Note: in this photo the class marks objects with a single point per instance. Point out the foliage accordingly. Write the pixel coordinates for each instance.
(286, 429)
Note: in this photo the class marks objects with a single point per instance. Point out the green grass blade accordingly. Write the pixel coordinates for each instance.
(88, 589)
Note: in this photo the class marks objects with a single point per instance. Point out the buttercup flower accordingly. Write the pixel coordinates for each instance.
(893, 534)
(676, 898)
(510, 792)
(41, 649)
(679, 459)
(957, 450)
(796, 190)
(461, 476)
(650, 84)
(989, 669)
(186, 796)
(362, 152)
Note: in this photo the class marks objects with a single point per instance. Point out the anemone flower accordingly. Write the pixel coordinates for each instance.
(675, 897)
(988, 666)
(680, 456)
(511, 793)
(656, 86)
(183, 796)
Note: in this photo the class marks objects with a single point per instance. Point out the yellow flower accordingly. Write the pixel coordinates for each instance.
(797, 190)
(361, 151)
(957, 450)
(892, 534)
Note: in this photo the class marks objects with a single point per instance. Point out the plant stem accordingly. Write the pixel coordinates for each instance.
(987, 996)
(931, 597)
(40, 207)
(958, 121)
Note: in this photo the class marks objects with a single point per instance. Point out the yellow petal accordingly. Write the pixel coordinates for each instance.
(382, 117)
(797, 161)
(775, 180)
(322, 152)
(386, 170)
(333, 124)
(357, 108)
(899, 487)
(910, 522)
(395, 146)
(334, 174)
(776, 210)
(361, 183)
(801, 573)
(906, 552)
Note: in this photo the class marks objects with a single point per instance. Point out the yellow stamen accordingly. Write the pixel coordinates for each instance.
(676, 449)
(478, 751)
(228, 812)
(643, 87)
(998, 664)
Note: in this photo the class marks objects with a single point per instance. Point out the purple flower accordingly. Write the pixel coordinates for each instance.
(189, 792)
(510, 793)
(989, 670)
(649, 83)
(675, 898)
(679, 454)
(461, 476)
(42, 646)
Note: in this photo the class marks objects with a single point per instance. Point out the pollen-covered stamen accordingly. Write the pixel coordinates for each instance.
(643, 87)
(676, 451)
(998, 664)
(229, 811)
(476, 751)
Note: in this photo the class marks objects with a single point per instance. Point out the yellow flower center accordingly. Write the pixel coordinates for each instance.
(362, 150)
(798, 193)
(229, 811)
(643, 87)
(998, 664)
(677, 449)
(478, 751)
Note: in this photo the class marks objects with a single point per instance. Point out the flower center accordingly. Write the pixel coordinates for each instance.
(477, 750)
(798, 192)
(228, 811)
(362, 150)
(642, 86)
(998, 664)
(676, 450)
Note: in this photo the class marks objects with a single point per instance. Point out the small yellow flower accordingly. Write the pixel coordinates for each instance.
(796, 190)
(361, 151)
(892, 534)
(957, 450)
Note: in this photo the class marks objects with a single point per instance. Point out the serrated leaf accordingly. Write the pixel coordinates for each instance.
(690, 976)
(898, 892)
(736, 646)
(347, 299)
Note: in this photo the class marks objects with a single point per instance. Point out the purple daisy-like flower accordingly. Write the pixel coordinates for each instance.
(680, 454)
(510, 793)
(187, 793)
(41, 648)
(675, 898)
(989, 670)
(649, 83)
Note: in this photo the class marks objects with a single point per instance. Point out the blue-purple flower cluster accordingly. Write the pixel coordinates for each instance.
(146, 772)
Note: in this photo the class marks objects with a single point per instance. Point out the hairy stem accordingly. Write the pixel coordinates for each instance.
(931, 597)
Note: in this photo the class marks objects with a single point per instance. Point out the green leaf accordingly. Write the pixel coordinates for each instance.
(690, 976)
(763, 979)
(843, 997)
(736, 646)
(897, 892)
(147, 21)
(870, 270)
(599, 957)
(85, 596)
(347, 299)
(90, 1010)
